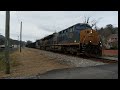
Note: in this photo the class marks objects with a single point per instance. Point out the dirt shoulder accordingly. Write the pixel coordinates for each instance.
(31, 62)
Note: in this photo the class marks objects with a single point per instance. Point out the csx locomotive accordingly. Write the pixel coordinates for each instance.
(79, 38)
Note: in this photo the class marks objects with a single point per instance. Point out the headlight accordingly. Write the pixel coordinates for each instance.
(91, 31)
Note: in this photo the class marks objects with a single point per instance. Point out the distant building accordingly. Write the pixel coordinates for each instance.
(2, 46)
(112, 41)
(15, 46)
(113, 38)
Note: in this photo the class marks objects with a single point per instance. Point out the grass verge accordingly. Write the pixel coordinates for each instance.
(13, 60)
(2, 66)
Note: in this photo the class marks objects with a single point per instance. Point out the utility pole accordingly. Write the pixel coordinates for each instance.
(20, 35)
(18, 42)
(7, 27)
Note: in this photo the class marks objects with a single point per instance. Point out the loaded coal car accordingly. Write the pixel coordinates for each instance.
(79, 38)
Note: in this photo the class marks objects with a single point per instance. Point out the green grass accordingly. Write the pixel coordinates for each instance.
(2, 66)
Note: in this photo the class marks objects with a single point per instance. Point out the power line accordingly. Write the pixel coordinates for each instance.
(18, 18)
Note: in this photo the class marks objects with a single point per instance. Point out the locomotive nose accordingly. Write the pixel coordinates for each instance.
(90, 36)
(94, 37)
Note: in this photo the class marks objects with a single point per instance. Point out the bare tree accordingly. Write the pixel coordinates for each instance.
(94, 22)
(88, 19)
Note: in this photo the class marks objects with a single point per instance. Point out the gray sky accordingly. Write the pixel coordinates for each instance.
(37, 24)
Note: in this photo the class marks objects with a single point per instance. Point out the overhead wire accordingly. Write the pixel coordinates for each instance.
(19, 20)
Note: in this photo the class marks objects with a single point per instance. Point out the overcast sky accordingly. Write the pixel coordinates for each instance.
(37, 24)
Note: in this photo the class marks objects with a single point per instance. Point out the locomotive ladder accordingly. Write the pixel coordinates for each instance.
(83, 48)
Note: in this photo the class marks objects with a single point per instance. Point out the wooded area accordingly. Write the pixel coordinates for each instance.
(106, 32)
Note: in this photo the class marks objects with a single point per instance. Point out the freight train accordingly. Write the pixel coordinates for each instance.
(79, 38)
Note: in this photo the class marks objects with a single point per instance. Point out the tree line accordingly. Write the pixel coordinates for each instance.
(106, 32)
(12, 41)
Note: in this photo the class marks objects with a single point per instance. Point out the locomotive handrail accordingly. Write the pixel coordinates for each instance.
(85, 38)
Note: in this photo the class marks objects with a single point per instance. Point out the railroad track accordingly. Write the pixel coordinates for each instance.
(104, 60)
(99, 59)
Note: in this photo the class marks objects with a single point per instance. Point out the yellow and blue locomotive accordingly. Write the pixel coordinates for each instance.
(79, 38)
